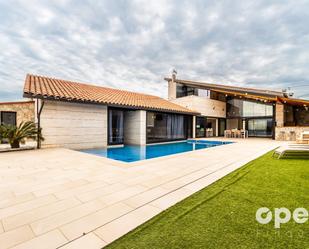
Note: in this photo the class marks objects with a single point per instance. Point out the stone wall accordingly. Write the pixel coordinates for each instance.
(290, 133)
(25, 110)
(279, 115)
(135, 127)
(74, 125)
(205, 106)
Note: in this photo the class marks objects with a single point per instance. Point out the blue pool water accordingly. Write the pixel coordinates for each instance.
(132, 153)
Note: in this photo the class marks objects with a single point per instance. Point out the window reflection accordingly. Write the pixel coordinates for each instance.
(167, 127)
(243, 108)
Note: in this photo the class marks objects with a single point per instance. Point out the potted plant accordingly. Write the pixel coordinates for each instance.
(17, 135)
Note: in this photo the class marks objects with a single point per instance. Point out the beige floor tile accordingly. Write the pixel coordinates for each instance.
(145, 197)
(82, 189)
(89, 241)
(25, 206)
(171, 198)
(126, 223)
(1, 227)
(50, 240)
(38, 213)
(91, 195)
(88, 223)
(61, 187)
(66, 174)
(64, 217)
(6, 194)
(7, 202)
(15, 237)
(122, 195)
(37, 186)
(203, 182)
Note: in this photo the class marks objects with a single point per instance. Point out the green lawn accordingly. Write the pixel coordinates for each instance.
(223, 214)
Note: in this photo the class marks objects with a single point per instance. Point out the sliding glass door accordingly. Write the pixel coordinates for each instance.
(222, 127)
(163, 127)
(200, 127)
(115, 126)
(260, 127)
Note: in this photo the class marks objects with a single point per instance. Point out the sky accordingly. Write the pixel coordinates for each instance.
(134, 44)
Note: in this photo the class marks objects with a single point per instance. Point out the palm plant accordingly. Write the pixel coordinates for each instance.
(16, 135)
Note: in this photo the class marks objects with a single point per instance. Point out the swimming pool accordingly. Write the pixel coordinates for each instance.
(133, 153)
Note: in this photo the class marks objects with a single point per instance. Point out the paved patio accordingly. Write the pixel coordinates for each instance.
(59, 198)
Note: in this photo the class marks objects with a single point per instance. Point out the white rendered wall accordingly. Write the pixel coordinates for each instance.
(135, 127)
(74, 125)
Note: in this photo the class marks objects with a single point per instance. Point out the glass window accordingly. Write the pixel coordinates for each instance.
(203, 93)
(167, 127)
(8, 118)
(296, 115)
(243, 108)
(200, 130)
(260, 127)
(115, 126)
(301, 115)
(182, 91)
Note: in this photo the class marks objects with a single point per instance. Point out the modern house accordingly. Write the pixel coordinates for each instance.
(263, 113)
(77, 115)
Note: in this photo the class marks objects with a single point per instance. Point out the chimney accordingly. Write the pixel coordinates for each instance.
(172, 86)
(174, 73)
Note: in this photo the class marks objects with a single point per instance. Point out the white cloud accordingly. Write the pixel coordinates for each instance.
(133, 44)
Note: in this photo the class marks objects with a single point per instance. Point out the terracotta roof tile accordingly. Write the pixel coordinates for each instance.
(45, 87)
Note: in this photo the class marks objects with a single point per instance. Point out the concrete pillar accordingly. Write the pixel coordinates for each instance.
(135, 127)
(217, 127)
(193, 126)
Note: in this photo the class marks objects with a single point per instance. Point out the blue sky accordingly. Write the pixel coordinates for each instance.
(134, 44)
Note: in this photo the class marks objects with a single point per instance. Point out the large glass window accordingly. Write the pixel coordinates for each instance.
(182, 91)
(243, 108)
(260, 127)
(8, 118)
(167, 127)
(115, 126)
(296, 115)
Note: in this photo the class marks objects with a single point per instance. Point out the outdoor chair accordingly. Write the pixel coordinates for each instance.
(228, 133)
(292, 150)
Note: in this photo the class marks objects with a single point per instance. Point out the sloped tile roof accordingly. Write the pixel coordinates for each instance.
(57, 89)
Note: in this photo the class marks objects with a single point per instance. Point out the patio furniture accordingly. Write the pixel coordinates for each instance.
(292, 150)
(227, 133)
(209, 132)
(234, 133)
(237, 134)
(244, 133)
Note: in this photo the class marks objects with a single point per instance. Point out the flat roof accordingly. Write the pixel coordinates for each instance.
(231, 89)
(64, 90)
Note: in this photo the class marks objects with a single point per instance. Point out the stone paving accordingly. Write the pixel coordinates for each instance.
(60, 198)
